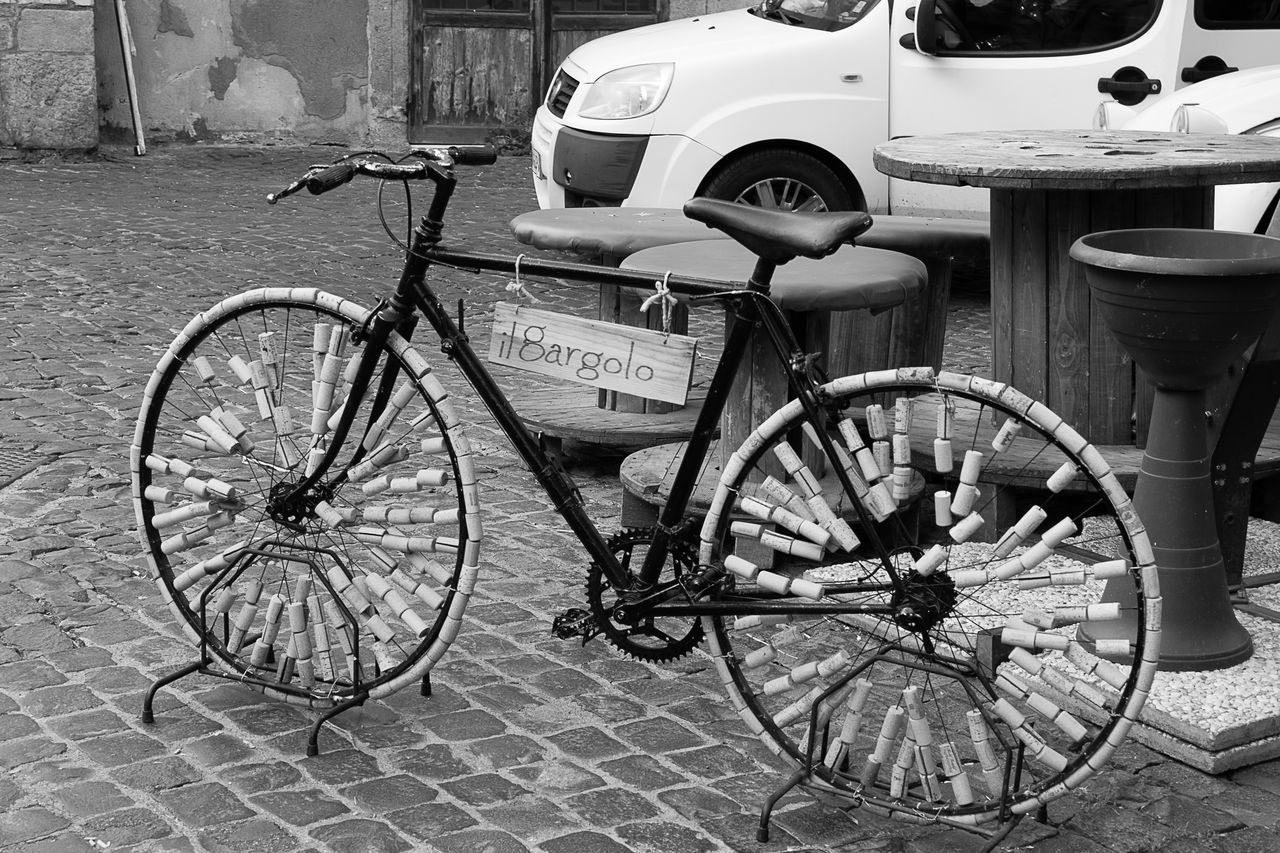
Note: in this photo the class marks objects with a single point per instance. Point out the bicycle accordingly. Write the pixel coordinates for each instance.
(308, 499)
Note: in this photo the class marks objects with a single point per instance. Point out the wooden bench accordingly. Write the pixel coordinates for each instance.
(911, 336)
(915, 335)
(853, 340)
(609, 422)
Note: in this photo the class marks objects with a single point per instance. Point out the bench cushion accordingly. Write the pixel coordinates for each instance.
(854, 277)
(608, 231)
(620, 231)
(921, 236)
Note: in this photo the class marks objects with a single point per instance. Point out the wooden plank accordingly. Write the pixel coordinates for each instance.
(1028, 367)
(542, 63)
(1069, 374)
(567, 413)
(622, 305)
(759, 389)
(813, 328)
(860, 341)
(1002, 287)
(648, 475)
(476, 76)
(593, 352)
(1111, 371)
(920, 331)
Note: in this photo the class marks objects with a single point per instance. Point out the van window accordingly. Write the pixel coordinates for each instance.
(1238, 14)
(814, 14)
(1041, 26)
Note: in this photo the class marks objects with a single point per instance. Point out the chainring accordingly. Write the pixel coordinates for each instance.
(652, 638)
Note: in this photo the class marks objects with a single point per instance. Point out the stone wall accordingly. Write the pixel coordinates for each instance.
(241, 70)
(47, 76)
(253, 70)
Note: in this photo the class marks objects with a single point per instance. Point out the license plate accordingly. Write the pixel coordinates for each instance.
(537, 165)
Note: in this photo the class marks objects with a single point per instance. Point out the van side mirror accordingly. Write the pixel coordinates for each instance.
(909, 39)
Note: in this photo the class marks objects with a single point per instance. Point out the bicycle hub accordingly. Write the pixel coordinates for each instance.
(291, 509)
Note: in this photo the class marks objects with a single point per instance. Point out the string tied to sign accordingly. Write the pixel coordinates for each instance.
(663, 296)
(516, 286)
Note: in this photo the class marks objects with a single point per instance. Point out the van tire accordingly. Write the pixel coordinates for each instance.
(780, 178)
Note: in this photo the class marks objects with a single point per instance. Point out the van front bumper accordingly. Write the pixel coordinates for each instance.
(577, 168)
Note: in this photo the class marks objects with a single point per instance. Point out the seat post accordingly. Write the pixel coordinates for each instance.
(762, 275)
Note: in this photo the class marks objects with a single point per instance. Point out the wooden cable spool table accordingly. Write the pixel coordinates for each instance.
(1050, 187)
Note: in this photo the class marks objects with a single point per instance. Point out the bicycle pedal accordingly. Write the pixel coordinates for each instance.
(575, 622)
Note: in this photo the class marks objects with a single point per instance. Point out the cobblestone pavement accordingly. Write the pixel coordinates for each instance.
(528, 743)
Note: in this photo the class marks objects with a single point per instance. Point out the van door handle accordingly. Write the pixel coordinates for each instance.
(1205, 68)
(1129, 85)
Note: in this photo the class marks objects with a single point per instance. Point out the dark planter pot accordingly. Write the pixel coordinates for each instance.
(1184, 304)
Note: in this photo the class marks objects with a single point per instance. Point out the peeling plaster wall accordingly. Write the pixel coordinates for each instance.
(253, 69)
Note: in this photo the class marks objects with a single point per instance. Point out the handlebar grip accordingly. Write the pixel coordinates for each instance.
(330, 177)
(478, 155)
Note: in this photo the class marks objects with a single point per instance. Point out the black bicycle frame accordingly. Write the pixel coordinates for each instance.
(549, 473)
(750, 307)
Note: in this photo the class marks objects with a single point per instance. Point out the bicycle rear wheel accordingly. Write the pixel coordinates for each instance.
(354, 588)
(1019, 643)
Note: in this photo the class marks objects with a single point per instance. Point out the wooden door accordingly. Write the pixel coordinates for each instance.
(479, 68)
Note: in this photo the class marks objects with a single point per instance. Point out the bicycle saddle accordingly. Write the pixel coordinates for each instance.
(778, 235)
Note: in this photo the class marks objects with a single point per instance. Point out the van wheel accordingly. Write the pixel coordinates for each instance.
(781, 179)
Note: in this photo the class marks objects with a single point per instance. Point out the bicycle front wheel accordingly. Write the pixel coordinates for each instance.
(977, 641)
(351, 588)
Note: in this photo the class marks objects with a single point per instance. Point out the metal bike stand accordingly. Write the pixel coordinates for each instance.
(819, 733)
(204, 666)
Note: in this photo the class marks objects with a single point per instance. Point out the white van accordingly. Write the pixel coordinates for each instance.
(781, 105)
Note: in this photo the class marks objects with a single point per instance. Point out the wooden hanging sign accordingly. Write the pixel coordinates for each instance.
(632, 360)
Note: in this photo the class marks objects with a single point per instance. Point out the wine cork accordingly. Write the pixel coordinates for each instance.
(942, 508)
(877, 426)
(1006, 436)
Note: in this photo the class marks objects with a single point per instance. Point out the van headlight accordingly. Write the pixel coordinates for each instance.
(628, 92)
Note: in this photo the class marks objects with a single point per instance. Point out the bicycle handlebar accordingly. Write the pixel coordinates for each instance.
(321, 179)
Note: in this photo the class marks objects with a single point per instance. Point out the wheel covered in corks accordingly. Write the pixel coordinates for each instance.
(949, 607)
(353, 587)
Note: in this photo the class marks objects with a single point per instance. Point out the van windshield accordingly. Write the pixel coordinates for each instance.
(814, 14)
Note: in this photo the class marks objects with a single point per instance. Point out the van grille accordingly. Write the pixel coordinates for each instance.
(562, 89)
